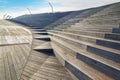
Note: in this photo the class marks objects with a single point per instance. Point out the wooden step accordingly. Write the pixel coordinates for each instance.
(37, 42)
(104, 65)
(45, 45)
(45, 48)
(94, 25)
(80, 37)
(97, 29)
(69, 39)
(99, 41)
(111, 36)
(94, 34)
(80, 69)
(40, 33)
(108, 53)
(37, 30)
(41, 36)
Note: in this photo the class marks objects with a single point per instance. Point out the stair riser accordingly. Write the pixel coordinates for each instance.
(116, 30)
(101, 67)
(46, 51)
(105, 54)
(42, 33)
(112, 36)
(80, 75)
(39, 30)
(108, 44)
(44, 39)
(35, 28)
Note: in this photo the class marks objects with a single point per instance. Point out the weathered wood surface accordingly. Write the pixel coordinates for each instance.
(41, 65)
(15, 46)
(16, 60)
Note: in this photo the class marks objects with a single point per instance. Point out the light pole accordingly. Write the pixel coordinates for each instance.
(29, 11)
(4, 16)
(51, 7)
(7, 17)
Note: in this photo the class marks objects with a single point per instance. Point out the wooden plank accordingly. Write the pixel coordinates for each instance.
(12, 68)
(15, 61)
(7, 69)
(2, 70)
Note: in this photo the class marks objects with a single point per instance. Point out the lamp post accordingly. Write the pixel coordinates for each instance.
(7, 17)
(4, 16)
(29, 11)
(51, 7)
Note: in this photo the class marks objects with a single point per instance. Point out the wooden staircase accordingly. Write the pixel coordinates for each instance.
(80, 46)
(42, 63)
(90, 49)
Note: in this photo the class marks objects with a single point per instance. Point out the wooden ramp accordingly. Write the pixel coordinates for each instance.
(42, 64)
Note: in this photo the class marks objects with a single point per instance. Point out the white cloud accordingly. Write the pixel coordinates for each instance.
(82, 4)
(64, 5)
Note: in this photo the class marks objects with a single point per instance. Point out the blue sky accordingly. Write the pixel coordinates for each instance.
(19, 7)
(11, 4)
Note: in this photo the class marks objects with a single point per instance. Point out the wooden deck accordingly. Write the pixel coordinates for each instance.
(42, 64)
(15, 46)
(19, 62)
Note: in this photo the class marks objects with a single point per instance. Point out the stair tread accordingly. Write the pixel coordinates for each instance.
(41, 36)
(94, 45)
(38, 32)
(83, 67)
(90, 37)
(45, 45)
(90, 31)
(91, 27)
(88, 54)
(36, 29)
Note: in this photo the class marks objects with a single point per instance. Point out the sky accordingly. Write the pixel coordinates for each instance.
(19, 7)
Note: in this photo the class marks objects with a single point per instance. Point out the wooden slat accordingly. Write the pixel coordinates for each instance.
(15, 45)
(12, 68)
(2, 72)
(7, 69)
